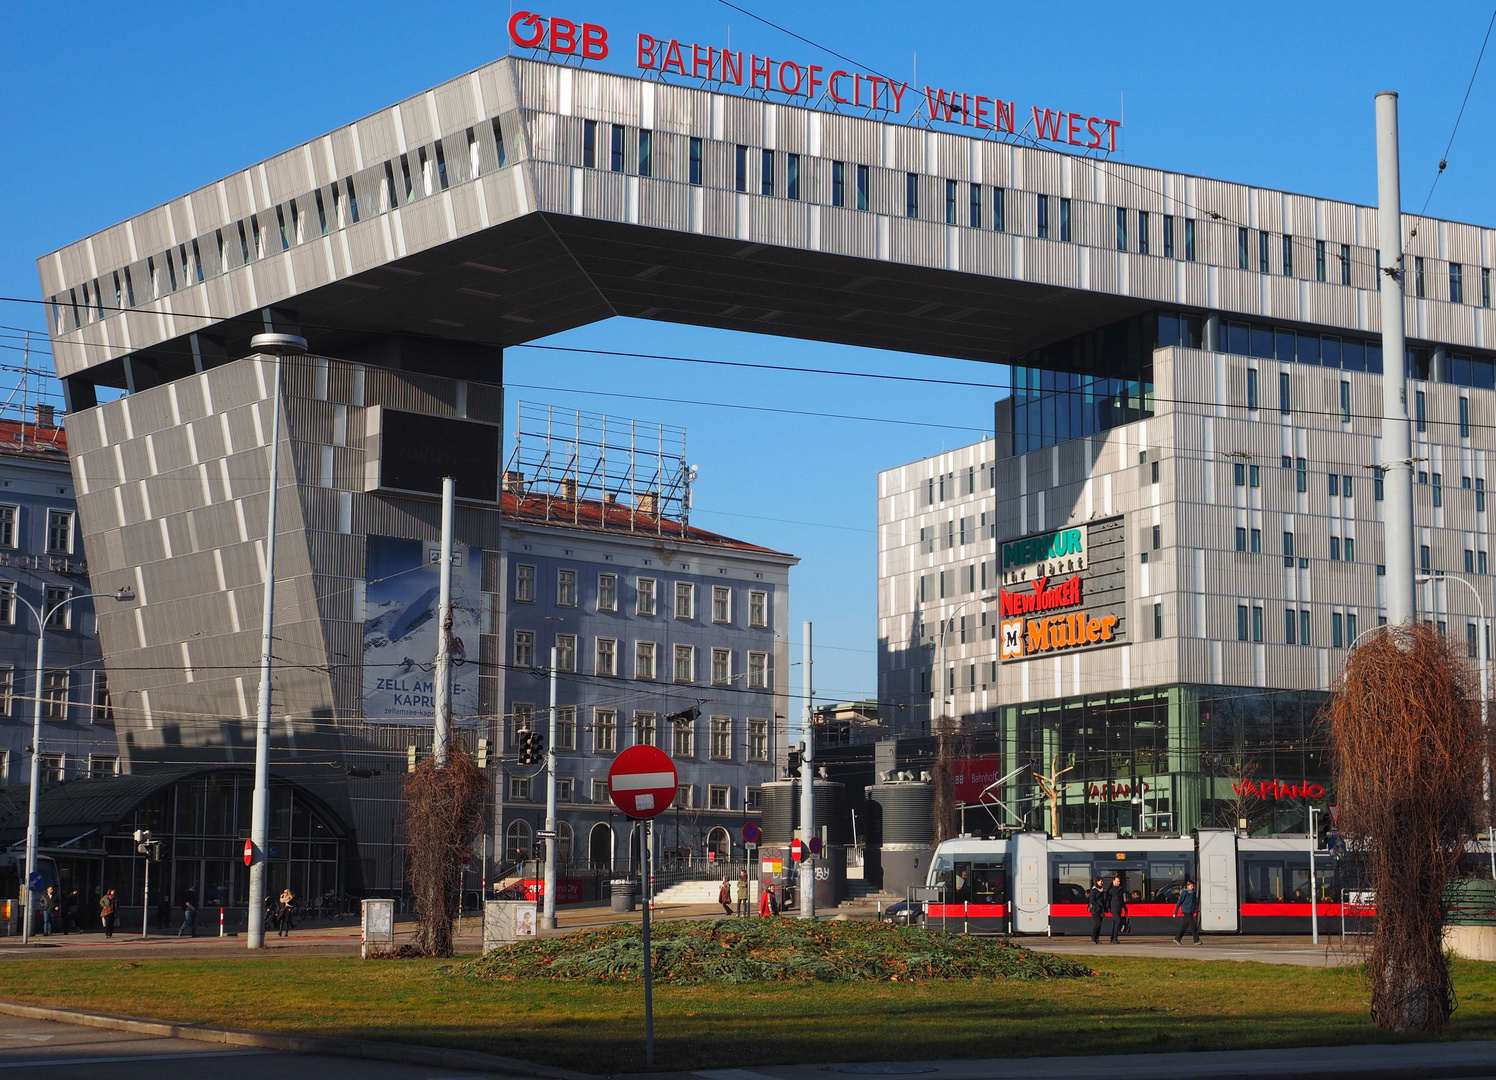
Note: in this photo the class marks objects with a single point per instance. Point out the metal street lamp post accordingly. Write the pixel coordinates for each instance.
(945, 624)
(42, 618)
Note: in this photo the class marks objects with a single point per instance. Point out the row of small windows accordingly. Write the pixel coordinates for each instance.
(415, 174)
(958, 483)
(606, 736)
(522, 790)
(646, 596)
(606, 661)
(58, 700)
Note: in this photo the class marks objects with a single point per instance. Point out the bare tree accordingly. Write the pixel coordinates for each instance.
(443, 813)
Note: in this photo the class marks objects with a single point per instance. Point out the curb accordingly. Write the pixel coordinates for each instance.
(370, 1049)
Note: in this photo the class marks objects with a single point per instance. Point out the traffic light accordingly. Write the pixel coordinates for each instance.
(531, 747)
(482, 754)
(685, 716)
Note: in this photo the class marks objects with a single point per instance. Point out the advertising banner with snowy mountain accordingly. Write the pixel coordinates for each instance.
(402, 587)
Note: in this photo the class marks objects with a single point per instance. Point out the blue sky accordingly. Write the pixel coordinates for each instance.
(107, 110)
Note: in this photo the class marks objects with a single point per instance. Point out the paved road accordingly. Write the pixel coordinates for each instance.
(1298, 951)
(46, 1050)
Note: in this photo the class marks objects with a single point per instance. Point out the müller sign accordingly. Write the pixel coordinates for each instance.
(796, 78)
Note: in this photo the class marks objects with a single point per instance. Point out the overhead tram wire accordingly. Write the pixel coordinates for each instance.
(1444, 158)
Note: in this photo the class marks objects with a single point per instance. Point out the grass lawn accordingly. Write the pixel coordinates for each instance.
(1137, 1005)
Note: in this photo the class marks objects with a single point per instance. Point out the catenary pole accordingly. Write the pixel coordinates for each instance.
(1397, 439)
(32, 815)
(278, 345)
(442, 734)
(548, 911)
(807, 785)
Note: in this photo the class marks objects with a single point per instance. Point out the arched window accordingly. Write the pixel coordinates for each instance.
(600, 847)
(564, 839)
(717, 840)
(517, 841)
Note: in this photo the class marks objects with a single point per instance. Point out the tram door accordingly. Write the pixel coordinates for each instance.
(1217, 885)
(1031, 875)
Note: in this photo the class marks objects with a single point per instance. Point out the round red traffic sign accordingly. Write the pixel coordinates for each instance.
(249, 852)
(797, 850)
(642, 781)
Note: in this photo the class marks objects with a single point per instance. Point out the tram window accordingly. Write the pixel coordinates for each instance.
(1134, 882)
(940, 870)
(989, 884)
(1264, 882)
(962, 891)
(1165, 879)
(1071, 881)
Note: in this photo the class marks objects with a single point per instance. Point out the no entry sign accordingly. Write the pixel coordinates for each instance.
(249, 852)
(642, 781)
(797, 851)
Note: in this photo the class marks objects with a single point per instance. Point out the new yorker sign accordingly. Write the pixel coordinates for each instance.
(1063, 590)
(726, 68)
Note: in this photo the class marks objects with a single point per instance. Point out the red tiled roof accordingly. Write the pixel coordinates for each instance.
(44, 442)
(595, 516)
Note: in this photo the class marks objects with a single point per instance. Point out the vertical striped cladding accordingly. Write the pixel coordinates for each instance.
(543, 107)
(1201, 432)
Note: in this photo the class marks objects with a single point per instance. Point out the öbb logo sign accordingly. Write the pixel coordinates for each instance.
(531, 31)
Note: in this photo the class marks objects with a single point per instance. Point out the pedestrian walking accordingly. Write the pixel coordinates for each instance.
(740, 894)
(1116, 905)
(1187, 907)
(49, 905)
(1096, 898)
(286, 909)
(108, 912)
(70, 912)
(724, 896)
(189, 914)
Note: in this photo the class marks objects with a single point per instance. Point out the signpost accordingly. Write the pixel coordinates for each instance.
(751, 833)
(642, 784)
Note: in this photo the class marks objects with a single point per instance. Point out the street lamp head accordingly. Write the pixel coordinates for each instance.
(989, 598)
(124, 593)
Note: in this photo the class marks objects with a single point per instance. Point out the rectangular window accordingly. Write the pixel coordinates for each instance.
(1285, 401)
(685, 663)
(1158, 621)
(718, 797)
(1350, 549)
(1252, 388)
(1142, 232)
(56, 607)
(59, 532)
(1345, 401)
(1290, 626)
(1334, 549)
(600, 792)
(1469, 561)
(1438, 489)
(55, 695)
(1304, 627)
(1241, 622)
(566, 728)
(1065, 220)
(682, 745)
(616, 161)
(1241, 248)
(1189, 239)
(1042, 216)
(8, 516)
(758, 740)
(1480, 495)
(1418, 275)
(607, 592)
(792, 176)
(1287, 255)
(862, 187)
(685, 600)
(644, 602)
(1464, 418)
(644, 659)
(1345, 267)
(1480, 563)
(975, 208)
(102, 766)
(1257, 623)
(1350, 629)
(695, 165)
(838, 183)
(1337, 630)
(1121, 229)
(1254, 475)
(1239, 472)
(1302, 469)
(721, 667)
(911, 195)
(721, 748)
(740, 169)
(565, 788)
(524, 718)
(1377, 481)
(321, 222)
(103, 707)
(646, 152)
(1241, 538)
(1287, 548)
(498, 143)
(721, 604)
(352, 199)
(566, 652)
(1256, 541)
(519, 789)
(566, 588)
(280, 221)
(441, 167)
(950, 202)
(758, 671)
(1420, 410)
(1485, 287)
(524, 649)
(1262, 266)
(758, 608)
(1456, 283)
(999, 209)
(766, 172)
(1319, 261)
(607, 656)
(644, 729)
(589, 144)
(1168, 236)
(1334, 479)
(524, 583)
(1423, 558)
(1345, 486)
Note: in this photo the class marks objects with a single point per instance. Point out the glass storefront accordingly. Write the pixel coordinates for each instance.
(1170, 759)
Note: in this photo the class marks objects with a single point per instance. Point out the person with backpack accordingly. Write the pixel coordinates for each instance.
(1096, 899)
(1187, 907)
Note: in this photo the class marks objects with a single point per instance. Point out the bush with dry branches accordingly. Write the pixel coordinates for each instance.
(443, 814)
(1405, 720)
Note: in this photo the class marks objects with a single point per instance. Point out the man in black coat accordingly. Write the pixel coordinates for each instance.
(1116, 904)
(1096, 898)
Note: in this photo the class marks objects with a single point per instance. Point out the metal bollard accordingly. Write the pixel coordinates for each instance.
(220, 922)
